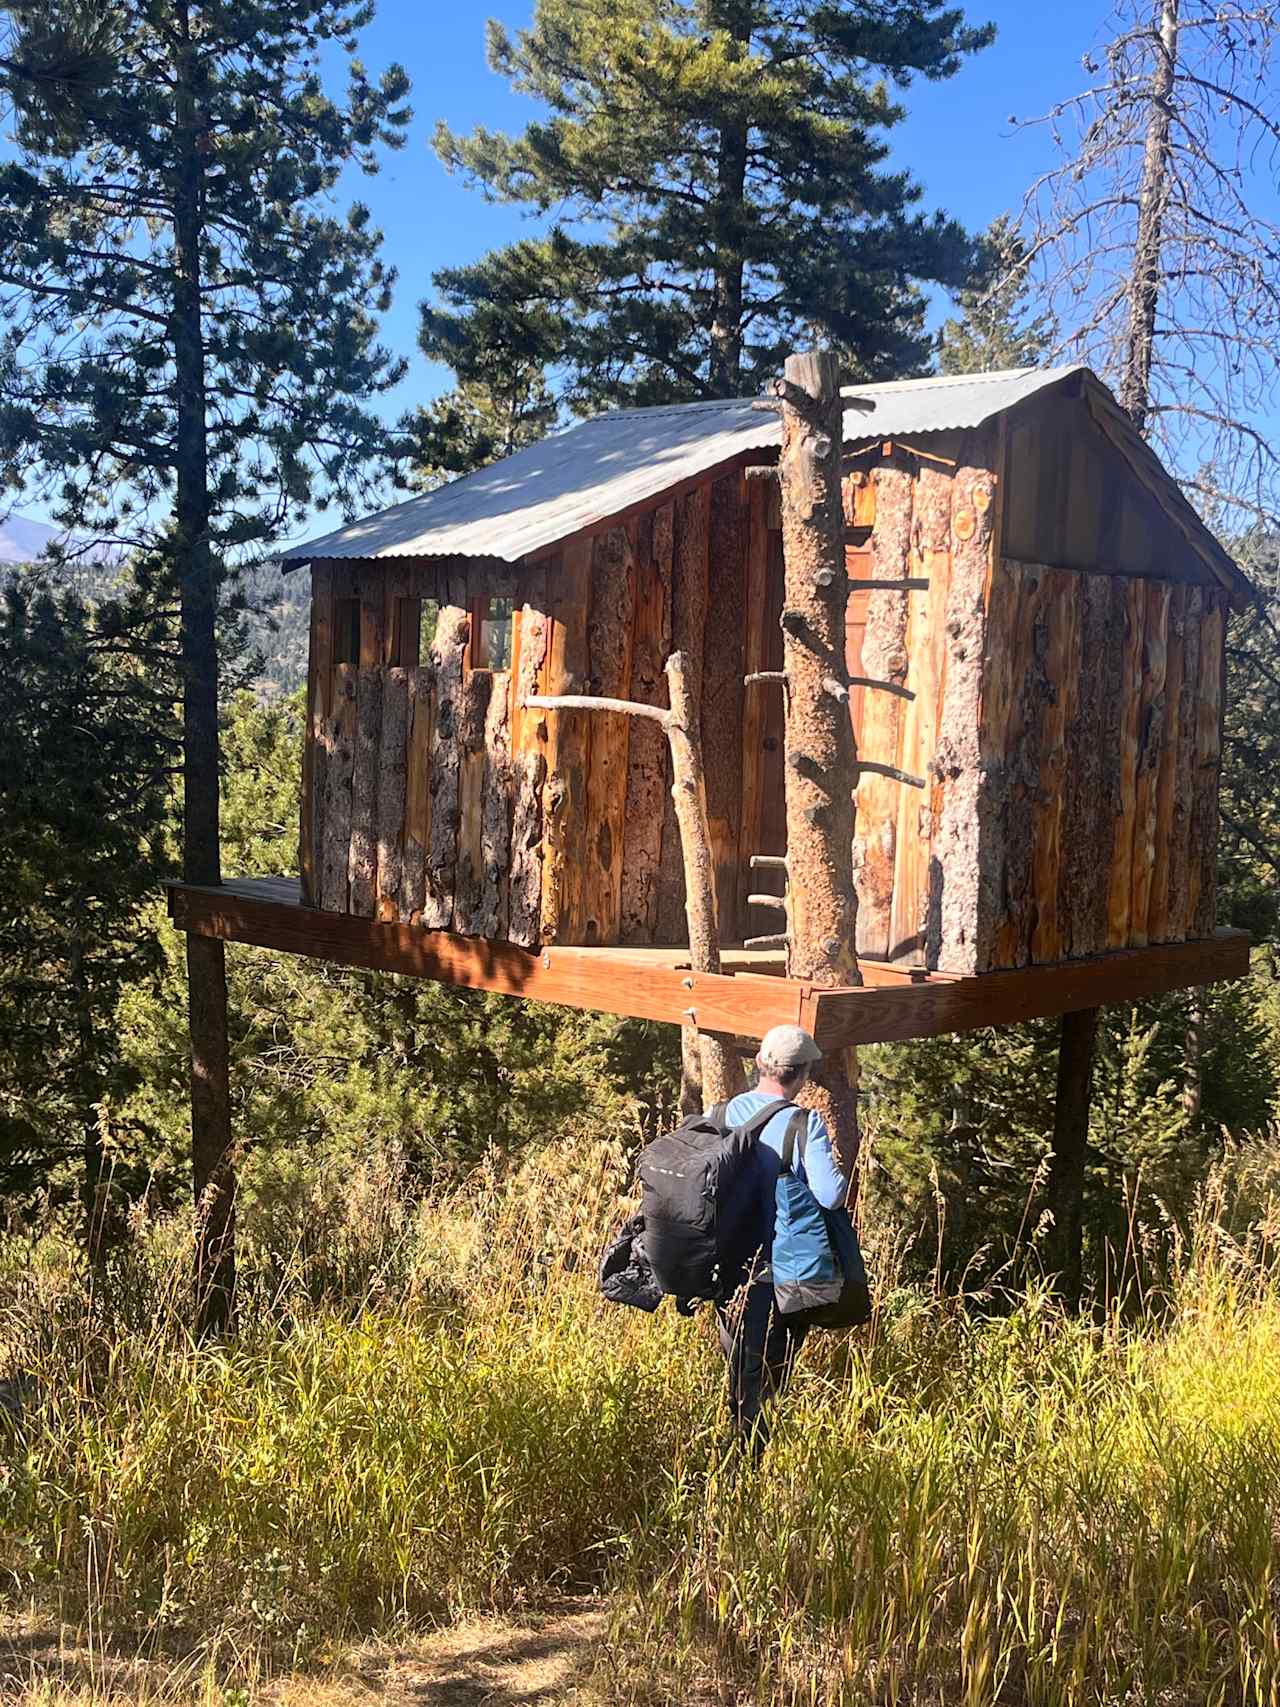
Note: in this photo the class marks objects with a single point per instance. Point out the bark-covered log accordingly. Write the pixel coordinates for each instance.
(336, 857)
(447, 650)
(1208, 765)
(318, 735)
(1049, 832)
(1091, 744)
(688, 630)
(417, 805)
(966, 905)
(1158, 926)
(392, 784)
(1180, 915)
(491, 914)
(1120, 893)
(528, 765)
(820, 758)
(1151, 730)
(721, 1066)
(468, 898)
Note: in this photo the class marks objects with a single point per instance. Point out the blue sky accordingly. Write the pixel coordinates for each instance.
(957, 140)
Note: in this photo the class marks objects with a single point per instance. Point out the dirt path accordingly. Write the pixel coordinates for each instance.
(493, 1663)
(547, 1661)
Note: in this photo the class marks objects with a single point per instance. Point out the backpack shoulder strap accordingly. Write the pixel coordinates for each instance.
(797, 1135)
(717, 1113)
(755, 1126)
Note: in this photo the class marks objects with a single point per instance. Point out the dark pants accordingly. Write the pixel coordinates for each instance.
(760, 1350)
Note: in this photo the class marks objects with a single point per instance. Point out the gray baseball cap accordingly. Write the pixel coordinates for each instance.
(789, 1046)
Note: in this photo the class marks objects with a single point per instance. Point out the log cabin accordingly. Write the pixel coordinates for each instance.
(1034, 665)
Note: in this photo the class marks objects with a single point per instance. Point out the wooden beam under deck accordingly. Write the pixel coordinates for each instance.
(652, 984)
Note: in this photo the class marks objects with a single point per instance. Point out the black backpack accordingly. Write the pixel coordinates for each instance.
(703, 1221)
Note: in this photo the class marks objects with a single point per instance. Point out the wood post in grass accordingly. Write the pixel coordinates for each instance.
(1070, 1148)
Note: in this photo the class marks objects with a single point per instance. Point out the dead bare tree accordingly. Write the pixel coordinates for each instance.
(1156, 241)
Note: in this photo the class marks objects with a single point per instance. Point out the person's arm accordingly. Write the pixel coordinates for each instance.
(821, 1169)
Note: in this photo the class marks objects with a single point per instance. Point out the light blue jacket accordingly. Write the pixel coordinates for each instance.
(819, 1169)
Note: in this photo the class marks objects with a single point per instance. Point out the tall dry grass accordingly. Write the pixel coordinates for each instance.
(428, 1410)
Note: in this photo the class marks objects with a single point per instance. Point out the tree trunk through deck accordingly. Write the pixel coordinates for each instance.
(718, 1061)
(1070, 1147)
(212, 1173)
(821, 762)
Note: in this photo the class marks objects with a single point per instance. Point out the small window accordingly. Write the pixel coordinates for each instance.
(491, 634)
(406, 645)
(346, 631)
(427, 629)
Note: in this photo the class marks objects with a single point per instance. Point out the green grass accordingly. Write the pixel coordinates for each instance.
(1011, 1508)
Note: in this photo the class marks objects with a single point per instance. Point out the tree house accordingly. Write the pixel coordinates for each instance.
(1034, 668)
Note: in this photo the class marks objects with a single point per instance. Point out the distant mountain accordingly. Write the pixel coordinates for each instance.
(278, 627)
(23, 540)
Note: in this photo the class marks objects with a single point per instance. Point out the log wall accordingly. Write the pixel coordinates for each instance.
(1065, 722)
(432, 796)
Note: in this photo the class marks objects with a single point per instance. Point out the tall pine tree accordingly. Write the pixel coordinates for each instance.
(718, 168)
(87, 705)
(189, 355)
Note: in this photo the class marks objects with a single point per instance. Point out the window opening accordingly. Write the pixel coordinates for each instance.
(346, 631)
(491, 622)
(427, 629)
(407, 647)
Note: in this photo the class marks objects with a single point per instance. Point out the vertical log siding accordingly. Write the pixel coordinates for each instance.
(1067, 725)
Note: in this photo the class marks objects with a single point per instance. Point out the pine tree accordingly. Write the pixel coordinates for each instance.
(718, 171)
(87, 705)
(189, 354)
(995, 328)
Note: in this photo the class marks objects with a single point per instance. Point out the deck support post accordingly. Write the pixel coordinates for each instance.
(1070, 1147)
(711, 1068)
(213, 1175)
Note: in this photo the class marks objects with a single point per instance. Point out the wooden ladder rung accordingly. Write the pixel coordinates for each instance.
(892, 772)
(914, 584)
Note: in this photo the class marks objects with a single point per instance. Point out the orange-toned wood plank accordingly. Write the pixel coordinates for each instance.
(610, 642)
(565, 809)
(598, 979)
(755, 713)
(722, 688)
(926, 643)
(265, 913)
(884, 656)
(848, 1017)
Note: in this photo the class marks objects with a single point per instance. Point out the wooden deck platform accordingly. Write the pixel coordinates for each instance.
(751, 994)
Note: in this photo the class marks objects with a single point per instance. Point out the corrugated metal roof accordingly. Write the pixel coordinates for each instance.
(578, 478)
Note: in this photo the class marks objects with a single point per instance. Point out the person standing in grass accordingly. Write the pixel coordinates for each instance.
(758, 1345)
